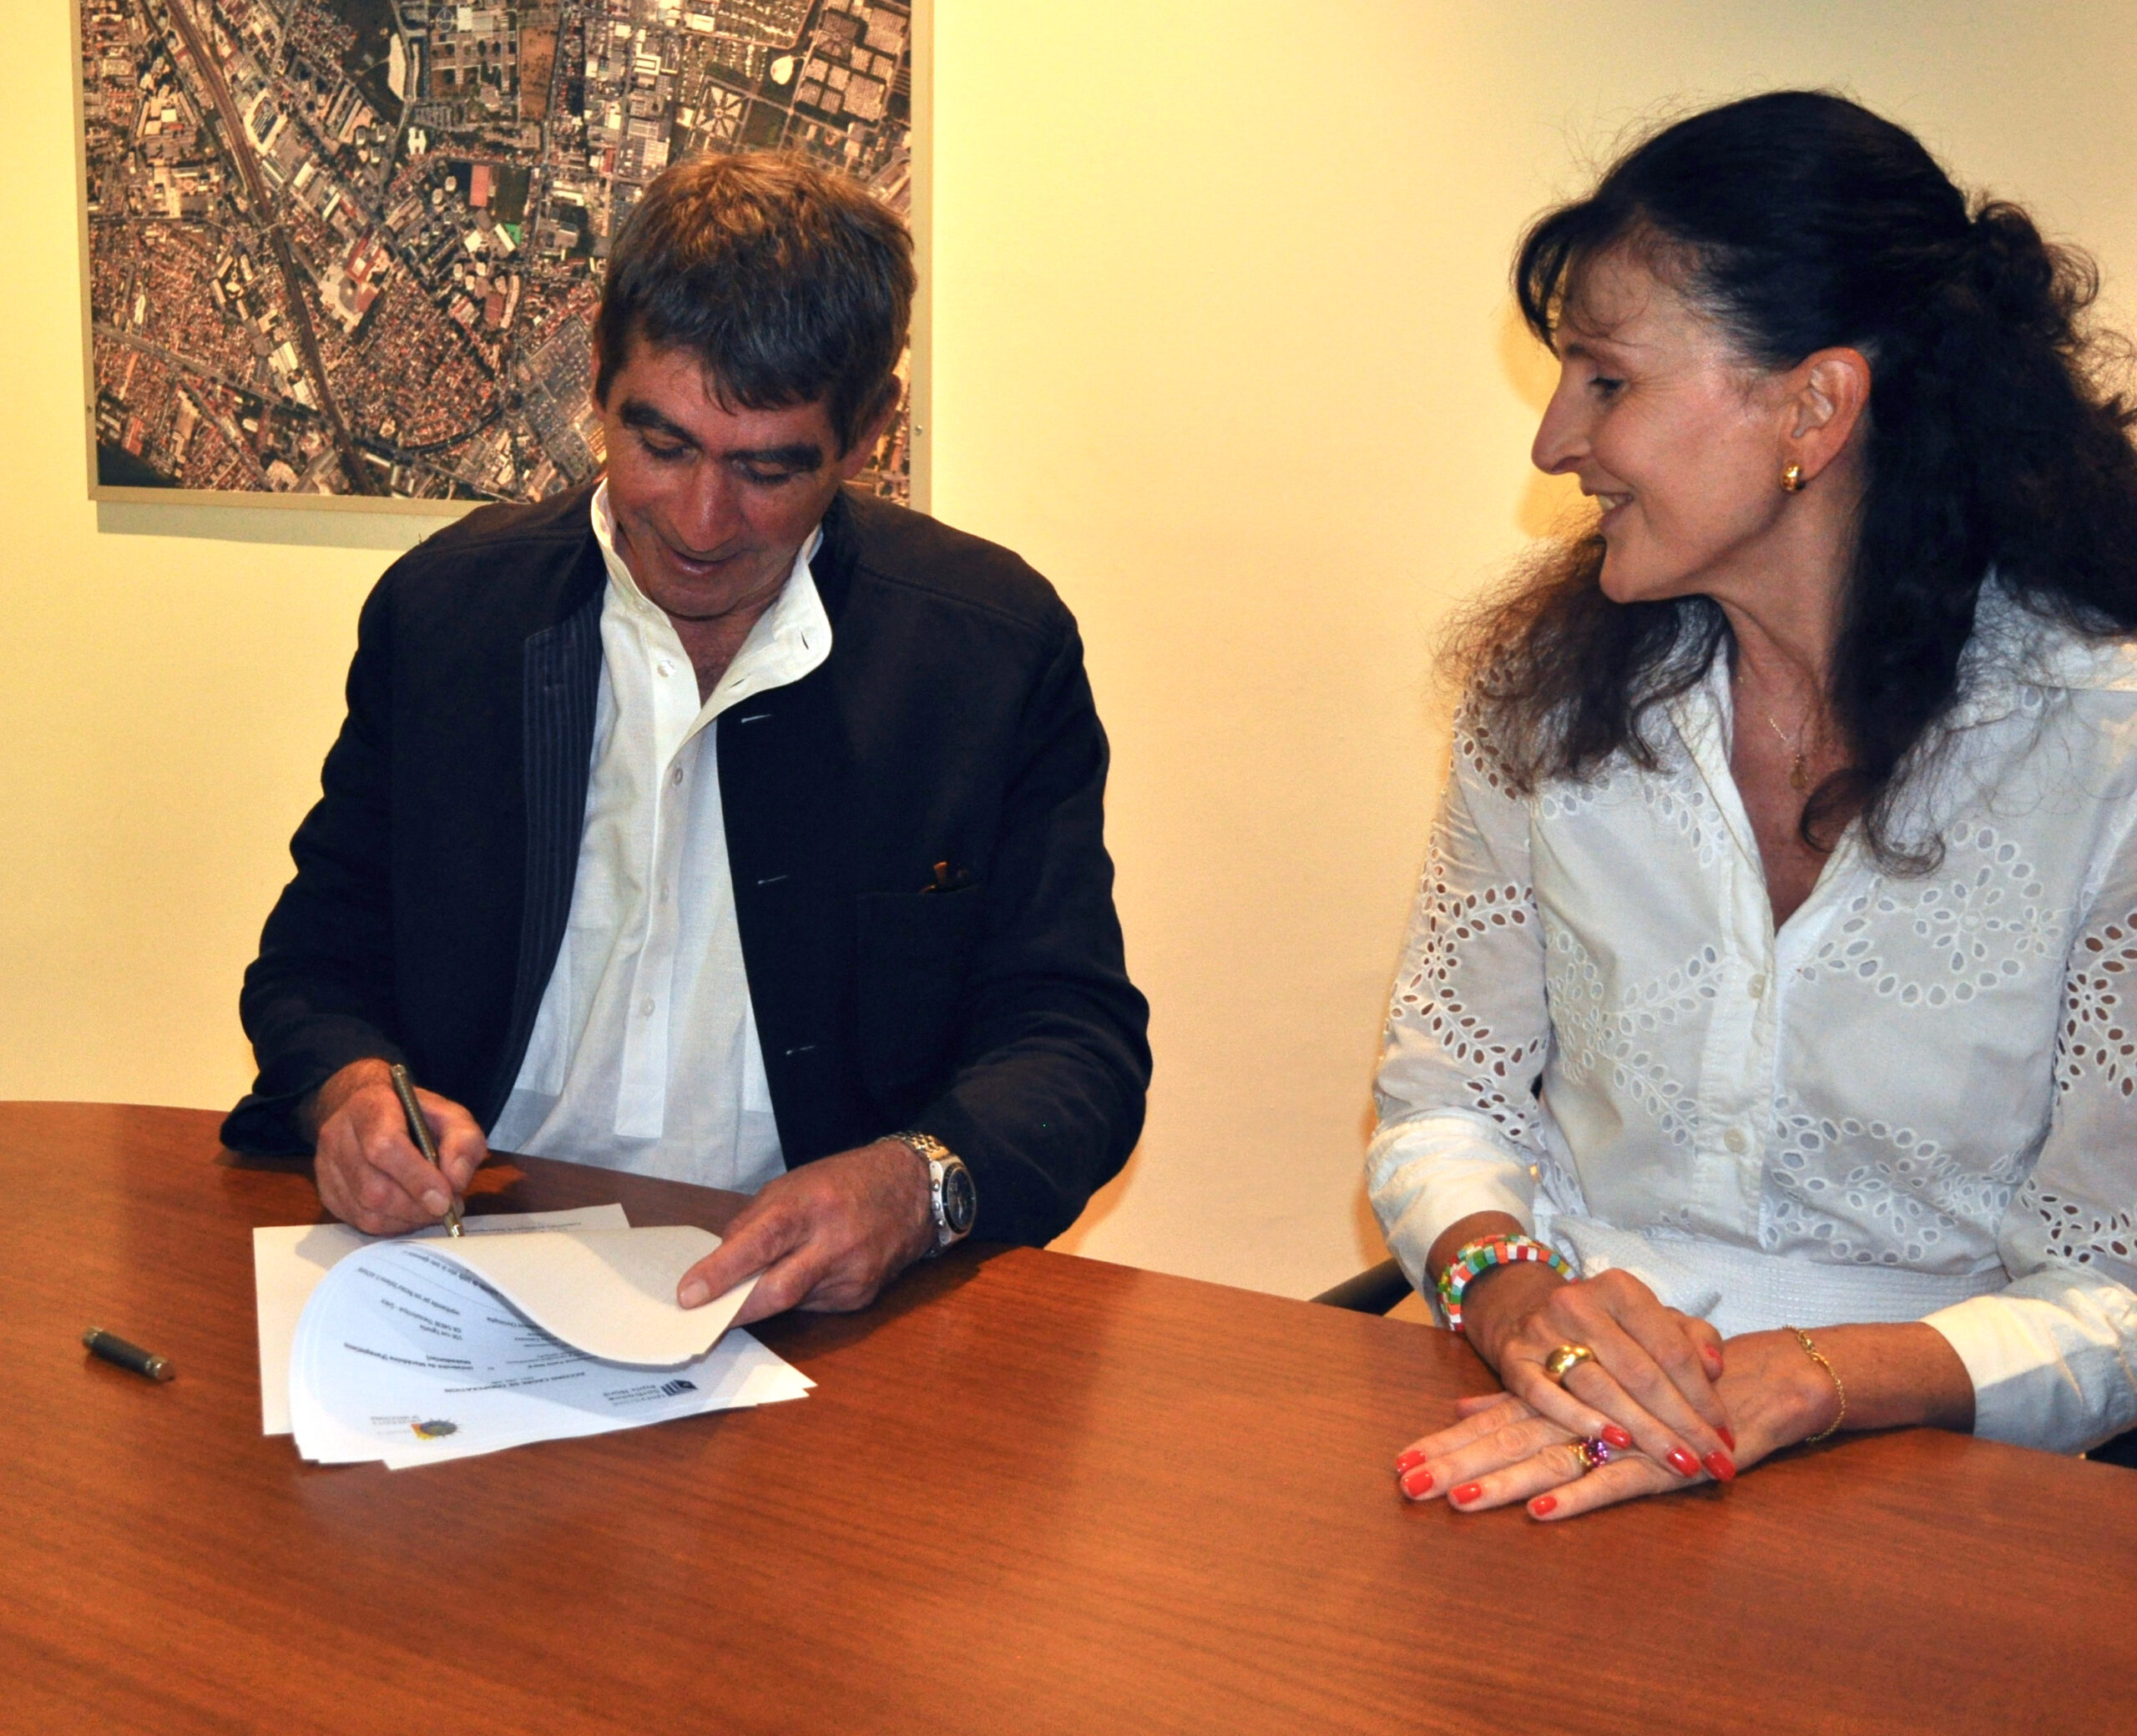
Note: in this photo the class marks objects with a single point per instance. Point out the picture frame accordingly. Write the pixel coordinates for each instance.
(407, 300)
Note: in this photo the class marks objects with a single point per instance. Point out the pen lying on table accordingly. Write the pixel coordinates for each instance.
(114, 1349)
(419, 1130)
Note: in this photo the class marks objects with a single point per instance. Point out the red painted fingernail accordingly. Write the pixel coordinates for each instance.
(1721, 1467)
(1728, 1436)
(1616, 1436)
(1544, 1504)
(1410, 1456)
(1416, 1482)
(1682, 1462)
(1467, 1492)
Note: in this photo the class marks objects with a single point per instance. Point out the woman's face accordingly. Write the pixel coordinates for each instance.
(1677, 437)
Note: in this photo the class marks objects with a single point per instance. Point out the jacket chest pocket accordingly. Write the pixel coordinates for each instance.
(915, 953)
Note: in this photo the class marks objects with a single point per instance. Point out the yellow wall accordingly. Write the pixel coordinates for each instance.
(1221, 344)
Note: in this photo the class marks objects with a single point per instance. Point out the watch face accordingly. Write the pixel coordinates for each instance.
(960, 1202)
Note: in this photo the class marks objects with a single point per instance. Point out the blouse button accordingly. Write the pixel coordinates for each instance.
(1735, 1140)
(1757, 985)
(676, 775)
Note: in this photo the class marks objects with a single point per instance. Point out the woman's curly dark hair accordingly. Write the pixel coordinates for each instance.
(1801, 221)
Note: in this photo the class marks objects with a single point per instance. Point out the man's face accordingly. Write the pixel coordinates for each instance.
(712, 503)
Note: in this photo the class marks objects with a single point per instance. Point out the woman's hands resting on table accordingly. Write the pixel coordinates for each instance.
(1648, 1386)
(1503, 1451)
(1675, 1403)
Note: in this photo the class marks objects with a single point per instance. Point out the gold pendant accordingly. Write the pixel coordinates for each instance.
(1799, 775)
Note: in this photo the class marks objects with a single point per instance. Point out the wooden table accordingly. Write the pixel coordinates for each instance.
(1031, 1493)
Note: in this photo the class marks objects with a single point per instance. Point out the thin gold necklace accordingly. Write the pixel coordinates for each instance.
(1799, 774)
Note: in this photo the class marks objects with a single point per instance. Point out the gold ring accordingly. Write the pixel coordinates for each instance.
(1566, 1358)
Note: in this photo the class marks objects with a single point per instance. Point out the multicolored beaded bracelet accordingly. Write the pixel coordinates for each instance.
(1482, 1256)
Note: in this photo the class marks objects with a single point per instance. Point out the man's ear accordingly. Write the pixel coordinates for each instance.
(607, 367)
(856, 457)
(1832, 395)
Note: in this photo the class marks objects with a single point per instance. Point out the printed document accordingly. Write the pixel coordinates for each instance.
(289, 1259)
(416, 1349)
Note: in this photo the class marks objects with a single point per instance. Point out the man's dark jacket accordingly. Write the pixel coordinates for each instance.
(952, 723)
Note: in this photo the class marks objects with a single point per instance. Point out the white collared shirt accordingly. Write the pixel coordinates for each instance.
(1918, 1100)
(644, 1053)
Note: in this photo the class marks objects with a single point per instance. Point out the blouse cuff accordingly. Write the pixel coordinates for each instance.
(1432, 1172)
(2051, 1359)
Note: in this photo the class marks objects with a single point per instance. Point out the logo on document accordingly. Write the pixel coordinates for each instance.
(671, 1388)
(435, 1430)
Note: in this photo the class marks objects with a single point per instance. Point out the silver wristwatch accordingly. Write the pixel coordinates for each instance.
(951, 1193)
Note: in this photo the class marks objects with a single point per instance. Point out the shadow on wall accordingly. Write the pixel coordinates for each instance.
(1101, 1206)
(297, 526)
(1364, 1220)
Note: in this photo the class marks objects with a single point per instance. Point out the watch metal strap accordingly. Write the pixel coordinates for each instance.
(932, 1151)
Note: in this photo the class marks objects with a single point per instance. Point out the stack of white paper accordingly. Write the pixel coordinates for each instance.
(420, 1349)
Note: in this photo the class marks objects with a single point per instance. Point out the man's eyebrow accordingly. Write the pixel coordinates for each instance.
(801, 455)
(636, 413)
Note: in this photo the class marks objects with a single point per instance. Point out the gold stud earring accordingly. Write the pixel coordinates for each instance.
(1792, 479)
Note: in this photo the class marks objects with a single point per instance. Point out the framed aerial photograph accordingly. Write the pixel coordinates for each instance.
(349, 251)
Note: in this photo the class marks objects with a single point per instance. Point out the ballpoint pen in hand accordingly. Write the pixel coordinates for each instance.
(419, 1130)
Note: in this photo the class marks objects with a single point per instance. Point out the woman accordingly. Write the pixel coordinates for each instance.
(1758, 1063)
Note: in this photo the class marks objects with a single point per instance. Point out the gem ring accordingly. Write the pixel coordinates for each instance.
(1593, 1451)
(1566, 1358)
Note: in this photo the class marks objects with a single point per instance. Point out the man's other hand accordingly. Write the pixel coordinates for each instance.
(827, 1236)
(370, 1174)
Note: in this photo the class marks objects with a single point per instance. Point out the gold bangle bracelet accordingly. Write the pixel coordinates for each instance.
(1818, 1356)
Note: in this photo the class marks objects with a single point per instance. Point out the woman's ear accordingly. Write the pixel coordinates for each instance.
(1830, 397)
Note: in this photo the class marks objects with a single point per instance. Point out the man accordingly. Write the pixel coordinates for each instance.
(718, 822)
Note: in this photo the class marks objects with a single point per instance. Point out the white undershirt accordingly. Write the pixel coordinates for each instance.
(644, 1053)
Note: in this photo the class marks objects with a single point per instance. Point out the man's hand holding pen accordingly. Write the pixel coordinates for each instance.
(369, 1171)
(827, 1236)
